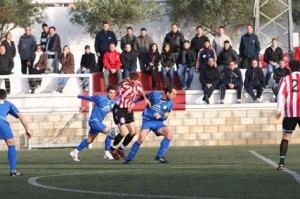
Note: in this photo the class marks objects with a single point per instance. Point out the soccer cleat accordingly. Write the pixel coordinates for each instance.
(108, 156)
(74, 155)
(121, 153)
(14, 173)
(126, 161)
(280, 167)
(114, 154)
(160, 160)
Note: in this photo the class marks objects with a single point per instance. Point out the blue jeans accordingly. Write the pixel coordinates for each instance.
(62, 81)
(84, 80)
(127, 72)
(142, 64)
(165, 73)
(270, 70)
(181, 73)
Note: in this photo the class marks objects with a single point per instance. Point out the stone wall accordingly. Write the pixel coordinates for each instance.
(199, 127)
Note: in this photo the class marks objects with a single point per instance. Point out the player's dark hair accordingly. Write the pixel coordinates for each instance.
(110, 87)
(168, 89)
(294, 65)
(134, 76)
(3, 94)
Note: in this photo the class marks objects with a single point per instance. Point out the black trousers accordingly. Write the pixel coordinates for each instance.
(238, 87)
(208, 91)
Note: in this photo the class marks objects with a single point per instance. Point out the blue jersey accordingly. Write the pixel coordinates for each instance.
(102, 107)
(6, 108)
(158, 105)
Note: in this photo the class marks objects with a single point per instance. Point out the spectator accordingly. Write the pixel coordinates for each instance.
(67, 67)
(87, 66)
(167, 64)
(129, 61)
(249, 48)
(10, 47)
(44, 36)
(297, 54)
(203, 55)
(53, 48)
(226, 56)
(219, 40)
(198, 41)
(26, 47)
(112, 64)
(232, 79)
(129, 38)
(153, 58)
(279, 73)
(38, 63)
(175, 39)
(102, 42)
(141, 47)
(6, 65)
(254, 79)
(186, 62)
(209, 79)
(272, 56)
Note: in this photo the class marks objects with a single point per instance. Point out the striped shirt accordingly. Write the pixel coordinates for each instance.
(289, 95)
(127, 93)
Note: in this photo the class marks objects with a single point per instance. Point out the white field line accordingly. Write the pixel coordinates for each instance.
(34, 181)
(294, 174)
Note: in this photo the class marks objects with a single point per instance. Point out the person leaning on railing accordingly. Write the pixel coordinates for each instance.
(6, 66)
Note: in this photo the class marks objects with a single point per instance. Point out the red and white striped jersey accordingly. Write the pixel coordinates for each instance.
(127, 93)
(289, 90)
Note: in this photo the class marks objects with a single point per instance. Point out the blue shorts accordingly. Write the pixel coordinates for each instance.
(5, 131)
(96, 127)
(153, 125)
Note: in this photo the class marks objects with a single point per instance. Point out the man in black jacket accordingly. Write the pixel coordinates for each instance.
(272, 56)
(226, 56)
(279, 73)
(6, 65)
(254, 79)
(103, 39)
(186, 62)
(175, 38)
(53, 48)
(210, 79)
(129, 61)
(232, 79)
(197, 42)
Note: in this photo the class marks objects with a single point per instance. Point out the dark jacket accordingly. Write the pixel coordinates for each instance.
(103, 39)
(154, 58)
(190, 58)
(232, 76)
(41, 64)
(249, 46)
(26, 46)
(167, 59)
(274, 56)
(254, 76)
(142, 45)
(88, 61)
(127, 40)
(211, 75)
(198, 42)
(10, 49)
(204, 54)
(6, 64)
(67, 63)
(43, 41)
(279, 73)
(129, 60)
(175, 40)
(54, 44)
(226, 56)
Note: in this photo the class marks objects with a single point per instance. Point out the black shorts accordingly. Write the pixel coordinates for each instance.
(289, 124)
(122, 116)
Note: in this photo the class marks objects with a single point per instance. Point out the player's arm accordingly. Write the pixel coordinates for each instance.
(93, 98)
(280, 98)
(147, 102)
(141, 98)
(25, 124)
(164, 115)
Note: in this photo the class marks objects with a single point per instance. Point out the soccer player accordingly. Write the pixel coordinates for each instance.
(153, 120)
(6, 134)
(103, 105)
(289, 97)
(123, 115)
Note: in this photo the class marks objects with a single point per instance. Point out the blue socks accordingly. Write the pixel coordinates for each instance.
(12, 157)
(134, 149)
(164, 145)
(82, 145)
(107, 143)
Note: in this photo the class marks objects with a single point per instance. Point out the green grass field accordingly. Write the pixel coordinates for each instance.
(195, 172)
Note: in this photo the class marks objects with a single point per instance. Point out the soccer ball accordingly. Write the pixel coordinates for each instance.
(112, 133)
